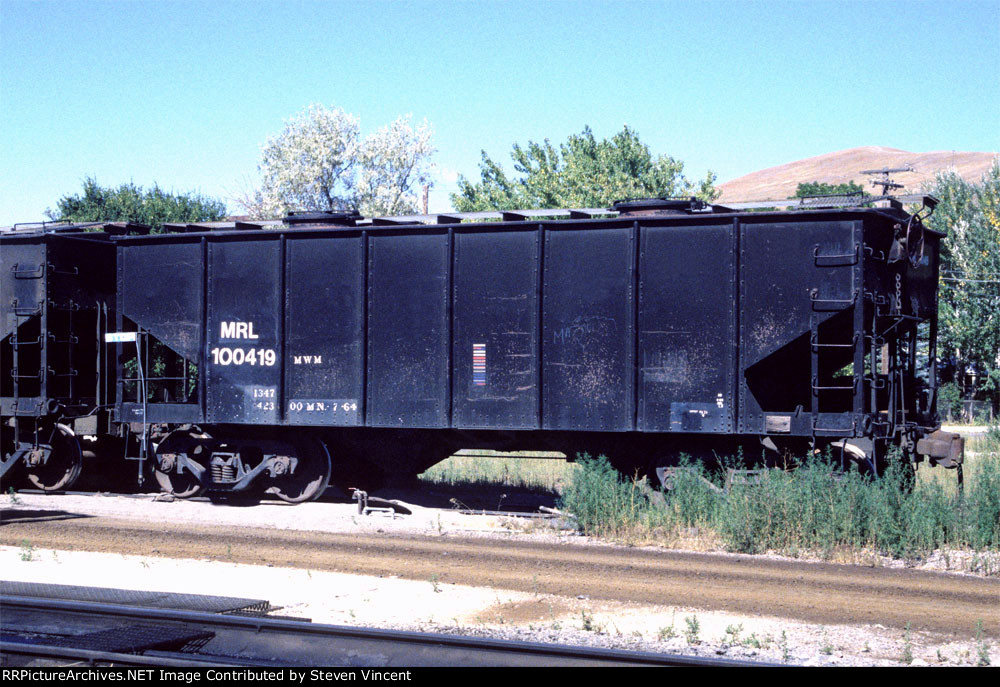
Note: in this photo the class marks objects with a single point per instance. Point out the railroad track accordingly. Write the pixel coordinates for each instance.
(814, 592)
(183, 637)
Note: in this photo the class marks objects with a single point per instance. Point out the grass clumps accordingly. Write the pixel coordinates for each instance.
(548, 473)
(603, 501)
(818, 508)
(814, 508)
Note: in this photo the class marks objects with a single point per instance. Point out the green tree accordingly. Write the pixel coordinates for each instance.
(820, 188)
(131, 203)
(969, 312)
(582, 172)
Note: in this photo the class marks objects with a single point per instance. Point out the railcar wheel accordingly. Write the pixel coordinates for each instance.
(64, 465)
(311, 476)
(183, 485)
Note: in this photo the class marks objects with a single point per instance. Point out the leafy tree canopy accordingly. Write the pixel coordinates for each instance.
(131, 203)
(819, 188)
(321, 162)
(969, 296)
(582, 172)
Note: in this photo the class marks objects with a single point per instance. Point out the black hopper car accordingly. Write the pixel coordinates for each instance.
(276, 356)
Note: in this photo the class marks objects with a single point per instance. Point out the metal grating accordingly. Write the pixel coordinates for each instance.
(124, 639)
(142, 599)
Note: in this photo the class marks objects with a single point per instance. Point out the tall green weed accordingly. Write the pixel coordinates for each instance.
(815, 507)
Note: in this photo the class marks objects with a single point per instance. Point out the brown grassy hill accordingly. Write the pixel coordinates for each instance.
(846, 165)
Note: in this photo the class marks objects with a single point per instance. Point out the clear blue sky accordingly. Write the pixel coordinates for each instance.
(184, 93)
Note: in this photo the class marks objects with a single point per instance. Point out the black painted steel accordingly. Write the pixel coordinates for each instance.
(56, 294)
(496, 347)
(408, 330)
(588, 328)
(165, 284)
(678, 322)
(243, 331)
(324, 319)
(612, 329)
(687, 328)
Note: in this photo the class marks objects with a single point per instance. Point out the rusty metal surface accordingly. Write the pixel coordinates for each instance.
(946, 449)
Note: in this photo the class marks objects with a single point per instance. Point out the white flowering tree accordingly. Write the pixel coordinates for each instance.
(321, 162)
(394, 163)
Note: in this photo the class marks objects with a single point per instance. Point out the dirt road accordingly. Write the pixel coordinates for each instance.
(812, 592)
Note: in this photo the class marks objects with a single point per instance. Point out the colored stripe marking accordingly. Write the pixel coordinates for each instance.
(479, 364)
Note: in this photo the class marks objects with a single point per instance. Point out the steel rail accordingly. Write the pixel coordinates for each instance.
(358, 644)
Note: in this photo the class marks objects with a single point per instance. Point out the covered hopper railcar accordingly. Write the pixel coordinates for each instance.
(274, 355)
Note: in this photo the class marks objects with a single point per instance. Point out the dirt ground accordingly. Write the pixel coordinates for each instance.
(439, 570)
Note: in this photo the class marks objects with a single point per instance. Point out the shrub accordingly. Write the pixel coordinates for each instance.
(816, 507)
(601, 498)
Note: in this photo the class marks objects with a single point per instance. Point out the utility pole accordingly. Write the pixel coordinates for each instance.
(885, 182)
(427, 192)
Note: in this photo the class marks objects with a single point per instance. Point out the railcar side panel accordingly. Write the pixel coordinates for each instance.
(80, 283)
(243, 337)
(324, 330)
(165, 292)
(587, 327)
(22, 281)
(686, 329)
(23, 302)
(495, 309)
(800, 284)
(408, 330)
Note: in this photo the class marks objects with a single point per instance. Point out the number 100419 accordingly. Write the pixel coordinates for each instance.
(244, 356)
